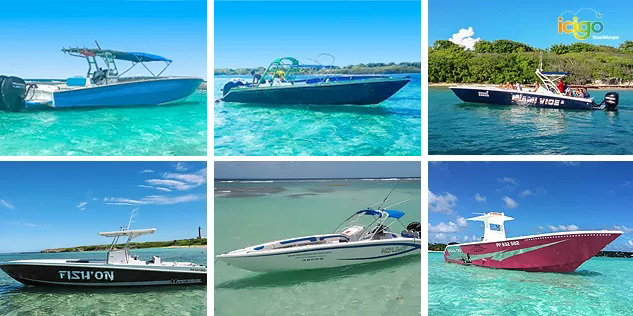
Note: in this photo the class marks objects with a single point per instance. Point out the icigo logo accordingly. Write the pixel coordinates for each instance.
(584, 23)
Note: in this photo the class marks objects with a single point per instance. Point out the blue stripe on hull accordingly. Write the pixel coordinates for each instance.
(150, 92)
(415, 246)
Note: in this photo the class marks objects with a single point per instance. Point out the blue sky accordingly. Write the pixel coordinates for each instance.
(532, 22)
(312, 169)
(33, 32)
(541, 196)
(251, 34)
(63, 204)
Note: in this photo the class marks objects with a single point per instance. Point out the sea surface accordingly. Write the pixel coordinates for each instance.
(248, 213)
(391, 128)
(600, 286)
(17, 299)
(458, 128)
(178, 129)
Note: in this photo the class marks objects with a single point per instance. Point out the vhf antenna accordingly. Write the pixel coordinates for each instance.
(386, 197)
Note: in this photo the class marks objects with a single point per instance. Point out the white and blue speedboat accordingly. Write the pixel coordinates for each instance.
(103, 85)
(352, 242)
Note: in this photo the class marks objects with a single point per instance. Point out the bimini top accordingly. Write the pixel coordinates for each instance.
(555, 73)
(132, 233)
(390, 213)
(135, 57)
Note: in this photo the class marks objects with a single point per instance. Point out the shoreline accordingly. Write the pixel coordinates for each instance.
(591, 87)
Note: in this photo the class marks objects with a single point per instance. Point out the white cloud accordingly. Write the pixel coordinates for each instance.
(571, 163)
(464, 38)
(156, 200)
(180, 181)
(623, 228)
(508, 180)
(181, 166)
(526, 193)
(562, 228)
(154, 187)
(444, 228)
(466, 237)
(480, 198)
(147, 171)
(629, 243)
(82, 206)
(442, 203)
(510, 203)
(462, 222)
(6, 204)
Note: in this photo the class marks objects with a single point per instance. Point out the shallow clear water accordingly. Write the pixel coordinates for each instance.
(252, 213)
(600, 286)
(178, 129)
(17, 299)
(458, 128)
(391, 128)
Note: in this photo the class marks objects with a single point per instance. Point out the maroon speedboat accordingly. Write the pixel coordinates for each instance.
(551, 252)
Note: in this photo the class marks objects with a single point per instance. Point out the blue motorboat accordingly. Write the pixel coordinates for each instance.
(285, 82)
(103, 86)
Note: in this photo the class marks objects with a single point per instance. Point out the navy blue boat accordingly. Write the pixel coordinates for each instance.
(279, 85)
(546, 96)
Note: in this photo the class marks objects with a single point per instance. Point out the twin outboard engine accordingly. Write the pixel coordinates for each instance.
(12, 93)
(611, 100)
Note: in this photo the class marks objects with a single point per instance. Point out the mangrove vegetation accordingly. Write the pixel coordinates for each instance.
(508, 61)
(136, 245)
(369, 68)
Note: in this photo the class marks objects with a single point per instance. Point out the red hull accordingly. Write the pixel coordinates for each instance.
(556, 252)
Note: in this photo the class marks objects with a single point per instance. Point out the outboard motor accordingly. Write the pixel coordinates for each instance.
(414, 230)
(12, 93)
(230, 85)
(611, 99)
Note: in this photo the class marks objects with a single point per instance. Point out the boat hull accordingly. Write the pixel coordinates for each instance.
(323, 256)
(147, 92)
(557, 252)
(359, 92)
(498, 96)
(101, 276)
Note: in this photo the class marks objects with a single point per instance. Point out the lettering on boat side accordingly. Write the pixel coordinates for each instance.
(86, 275)
(507, 243)
(189, 281)
(393, 249)
(311, 256)
(483, 94)
(532, 100)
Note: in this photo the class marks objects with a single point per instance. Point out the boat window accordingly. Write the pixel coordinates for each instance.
(496, 227)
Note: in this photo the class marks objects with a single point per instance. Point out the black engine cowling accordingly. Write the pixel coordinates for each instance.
(230, 85)
(12, 93)
(414, 226)
(611, 100)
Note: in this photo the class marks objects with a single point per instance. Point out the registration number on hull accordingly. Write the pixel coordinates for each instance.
(507, 243)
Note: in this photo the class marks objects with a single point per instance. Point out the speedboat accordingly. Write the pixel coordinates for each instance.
(103, 86)
(350, 243)
(550, 252)
(546, 96)
(119, 268)
(280, 85)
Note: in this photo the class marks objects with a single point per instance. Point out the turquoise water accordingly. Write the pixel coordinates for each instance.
(600, 286)
(391, 128)
(17, 299)
(458, 128)
(252, 213)
(178, 129)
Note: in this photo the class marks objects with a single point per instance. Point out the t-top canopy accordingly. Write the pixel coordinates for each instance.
(133, 233)
(391, 213)
(555, 73)
(127, 56)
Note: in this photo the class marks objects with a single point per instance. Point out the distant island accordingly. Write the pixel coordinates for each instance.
(180, 243)
(604, 253)
(360, 69)
(509, 61)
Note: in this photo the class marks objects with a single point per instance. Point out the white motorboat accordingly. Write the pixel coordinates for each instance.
(119, 268)
(352, 242)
